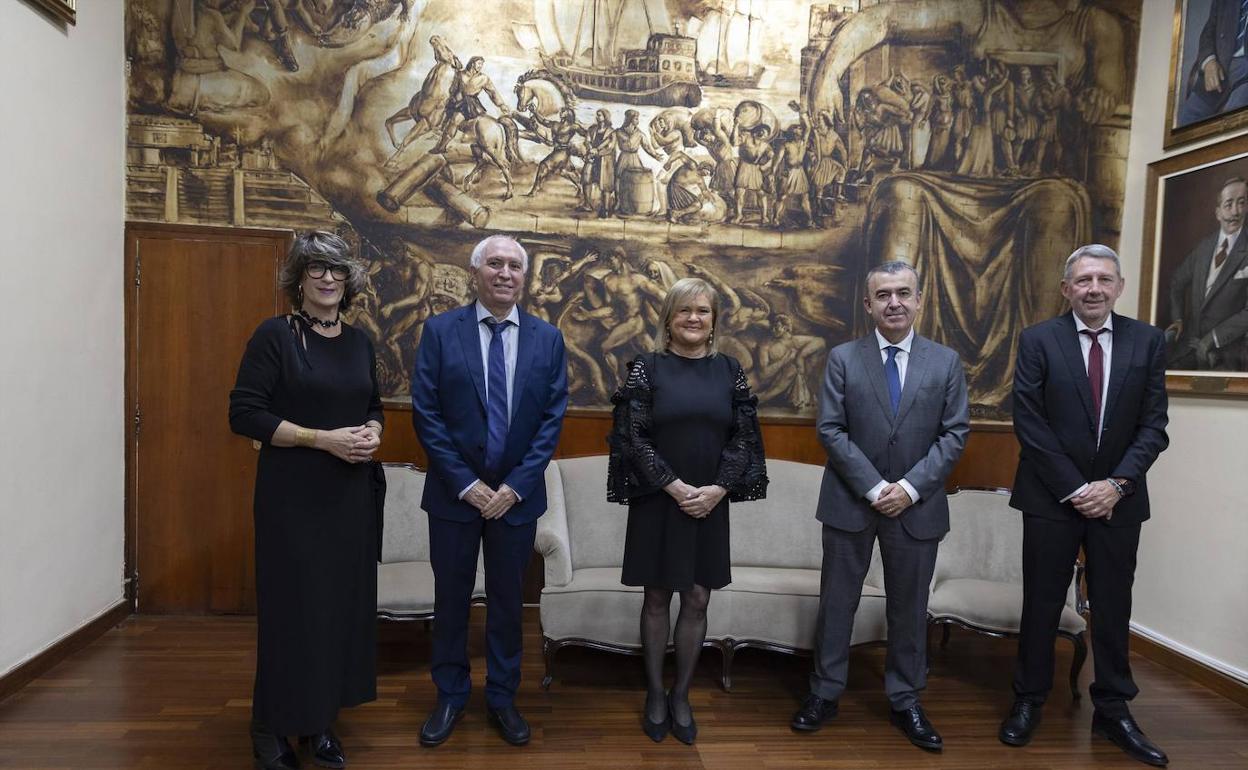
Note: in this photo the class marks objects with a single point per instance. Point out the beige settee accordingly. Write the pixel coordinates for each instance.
(776, 555)
(404, 575)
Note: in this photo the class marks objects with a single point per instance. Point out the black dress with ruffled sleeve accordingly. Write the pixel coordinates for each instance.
(692, 419)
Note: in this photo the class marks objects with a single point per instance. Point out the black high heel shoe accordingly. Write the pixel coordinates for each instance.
(271, 751)
(326, 749)
(684, 733)
(656, 731)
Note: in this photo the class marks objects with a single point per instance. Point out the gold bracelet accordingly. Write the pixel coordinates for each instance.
(305, 437)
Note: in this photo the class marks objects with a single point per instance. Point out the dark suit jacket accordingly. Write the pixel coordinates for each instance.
(1056, 428)
(1224, 307)
(448, 410)
(867, 444)
(1217, 39)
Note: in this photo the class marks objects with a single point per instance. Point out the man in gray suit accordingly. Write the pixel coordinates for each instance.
(893, 418)
(1209, 292)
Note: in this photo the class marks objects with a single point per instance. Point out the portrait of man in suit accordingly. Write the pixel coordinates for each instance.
(1217, 79)
(1090, 417)
(1209, 292)
(893, 418)
(489, 389)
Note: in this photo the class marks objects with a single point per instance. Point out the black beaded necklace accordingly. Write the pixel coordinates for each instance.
(323, 324)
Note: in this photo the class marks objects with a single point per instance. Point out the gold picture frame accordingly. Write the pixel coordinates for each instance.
(1180, 201)
(1191, 17)
(65, 10)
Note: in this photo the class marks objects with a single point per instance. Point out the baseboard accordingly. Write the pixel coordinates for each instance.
(38, 665)
(1190, 664)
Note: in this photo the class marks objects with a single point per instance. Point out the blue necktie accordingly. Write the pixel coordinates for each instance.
(496, 398)
(893, 375)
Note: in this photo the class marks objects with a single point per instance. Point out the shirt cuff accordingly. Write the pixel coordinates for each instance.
(1214, 334)
(910, 490)
(1076, 493)
(466, 489)
(873, 493)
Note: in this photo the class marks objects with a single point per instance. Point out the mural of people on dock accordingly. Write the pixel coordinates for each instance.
(776, 148)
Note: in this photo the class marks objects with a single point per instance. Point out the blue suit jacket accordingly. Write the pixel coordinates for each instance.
(448, 410)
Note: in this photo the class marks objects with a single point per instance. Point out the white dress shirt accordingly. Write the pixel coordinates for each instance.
(1085, 346)
(510, 332)
(902, 357)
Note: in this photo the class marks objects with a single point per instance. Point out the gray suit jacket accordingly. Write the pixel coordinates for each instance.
(866, 443)
(1225, 307)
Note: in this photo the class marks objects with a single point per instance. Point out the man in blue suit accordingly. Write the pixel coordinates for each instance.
(489, 390)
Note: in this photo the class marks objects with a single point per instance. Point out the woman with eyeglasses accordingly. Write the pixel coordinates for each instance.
(307, 391)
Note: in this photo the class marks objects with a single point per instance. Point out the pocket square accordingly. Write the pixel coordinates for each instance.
(1240, 274)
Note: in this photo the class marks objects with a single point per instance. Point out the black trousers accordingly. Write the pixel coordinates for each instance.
(1049, 550)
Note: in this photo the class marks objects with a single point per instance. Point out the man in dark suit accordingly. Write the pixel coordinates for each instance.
(1209, 292)
(489, 390)
(893, 418)
(1090, 416)
(1218, 81)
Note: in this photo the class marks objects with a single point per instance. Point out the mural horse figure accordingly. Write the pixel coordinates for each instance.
(493, 143)
(427, 106)
(540, 92)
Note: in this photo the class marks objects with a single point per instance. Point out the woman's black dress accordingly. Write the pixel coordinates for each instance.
(316, 525)
(692, 419)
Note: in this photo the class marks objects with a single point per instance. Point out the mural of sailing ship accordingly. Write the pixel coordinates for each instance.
(624, 51)
(728, 47)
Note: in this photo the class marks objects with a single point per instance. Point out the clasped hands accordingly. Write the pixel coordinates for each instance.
(353, 444)
(492, 503)
(1097, 501)
(695, 501)
(892, 501)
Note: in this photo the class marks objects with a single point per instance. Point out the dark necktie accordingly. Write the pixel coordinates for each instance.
(496, 398)
(1220, 257)
(1096, 371)
(893, 375)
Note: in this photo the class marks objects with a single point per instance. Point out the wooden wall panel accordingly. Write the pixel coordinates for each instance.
(989, 460)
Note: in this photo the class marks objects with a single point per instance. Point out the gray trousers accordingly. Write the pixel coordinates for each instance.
(908, 567)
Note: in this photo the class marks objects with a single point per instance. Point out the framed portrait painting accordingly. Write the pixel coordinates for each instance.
(1208, 70)
(1194, 281)
(66, 10)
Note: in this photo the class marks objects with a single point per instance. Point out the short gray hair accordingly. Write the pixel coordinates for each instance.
(892, 267)
(478, 251)
(320, 246)
(1091, 251)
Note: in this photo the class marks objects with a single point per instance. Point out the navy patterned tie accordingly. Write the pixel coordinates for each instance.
(893, 375)
(496, 398)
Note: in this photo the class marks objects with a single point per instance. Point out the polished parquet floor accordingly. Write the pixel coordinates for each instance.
(174, 692)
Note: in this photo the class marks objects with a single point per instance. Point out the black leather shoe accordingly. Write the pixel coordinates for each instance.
(1126, 735)
(656, 731)
(919, 731)
(1017, 728)
(510, 725)
(813, 713)
(271, 751)
(440, 724)
(326, 749)
(686, 734)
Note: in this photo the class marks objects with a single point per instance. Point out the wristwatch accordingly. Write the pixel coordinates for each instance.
(1125, 488)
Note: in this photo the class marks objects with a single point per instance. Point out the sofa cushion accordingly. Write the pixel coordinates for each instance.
(595, 526)
(405, 536)
(406, 588)
(989, 605)
(781, 530)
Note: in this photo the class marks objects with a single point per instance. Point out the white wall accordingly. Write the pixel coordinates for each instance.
(1191, 587)
(61, 337)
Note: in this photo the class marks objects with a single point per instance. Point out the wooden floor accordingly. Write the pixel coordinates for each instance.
(172, 692)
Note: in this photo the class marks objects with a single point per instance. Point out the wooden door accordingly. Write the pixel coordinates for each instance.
(193, 297)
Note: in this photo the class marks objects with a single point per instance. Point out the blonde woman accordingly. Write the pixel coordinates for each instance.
(685, 441)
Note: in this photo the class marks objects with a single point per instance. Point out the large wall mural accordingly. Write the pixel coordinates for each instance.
(776, 148)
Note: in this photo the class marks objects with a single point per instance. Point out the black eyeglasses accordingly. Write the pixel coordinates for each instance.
(317, 268)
